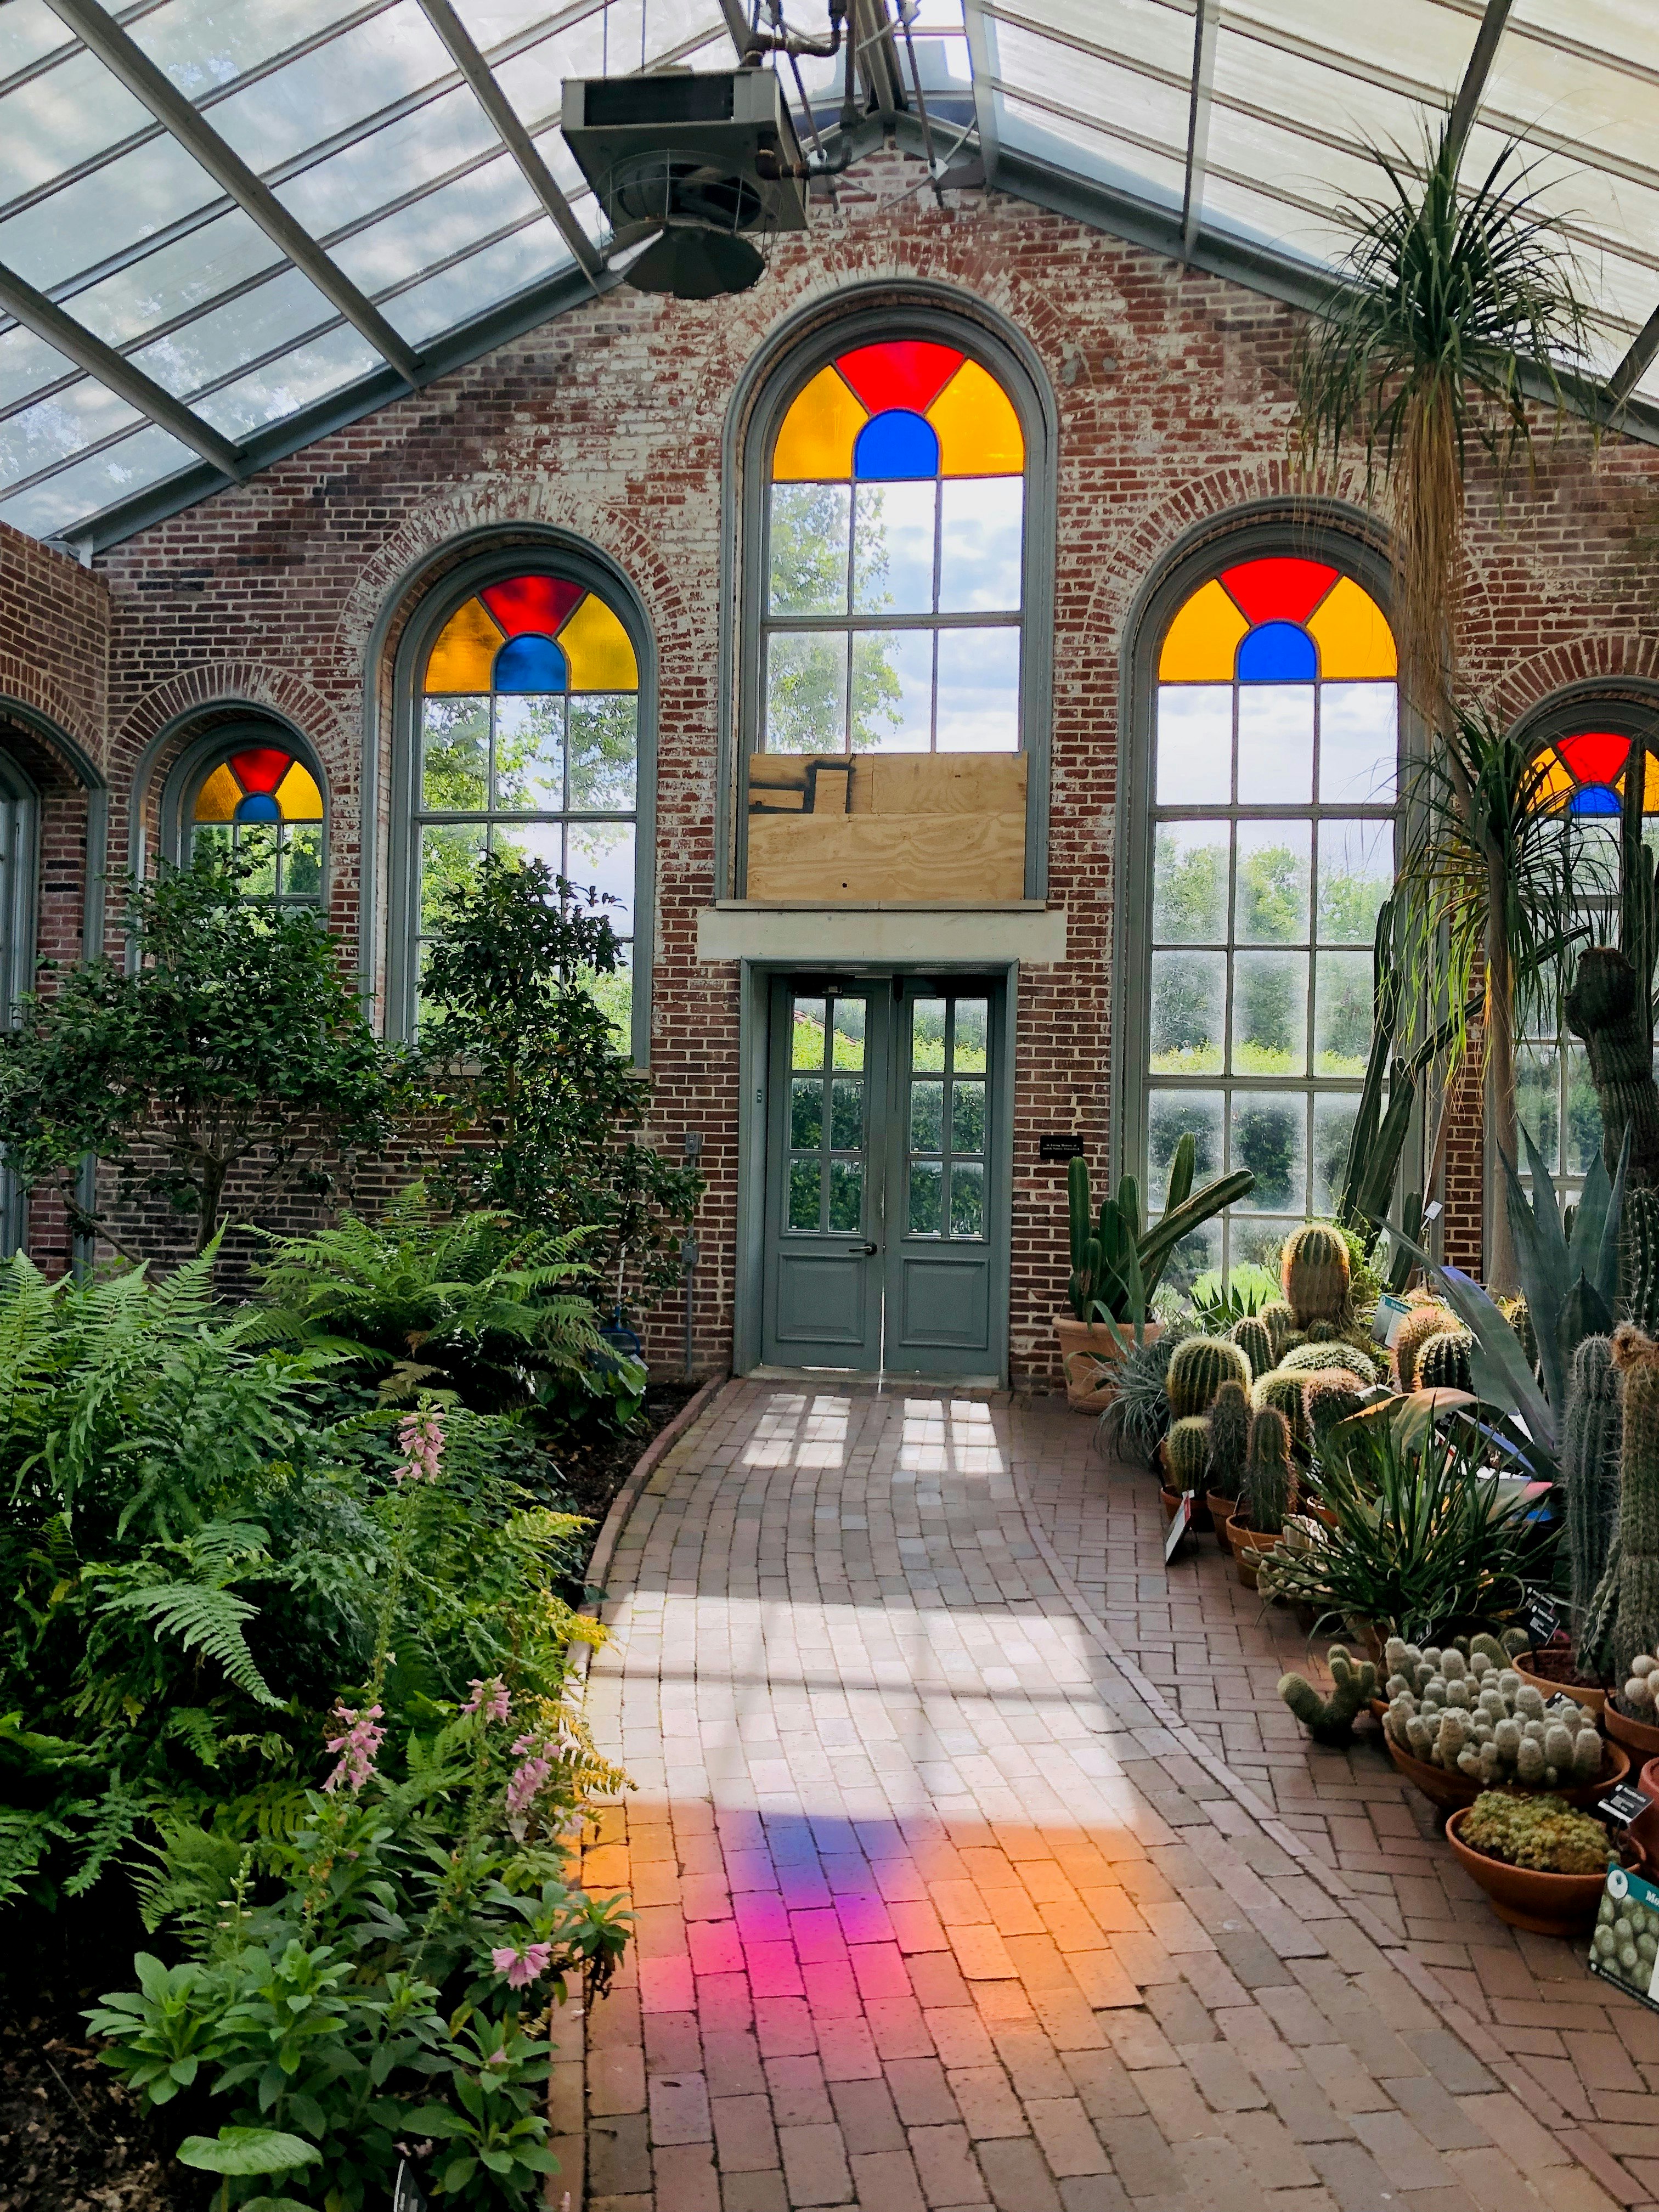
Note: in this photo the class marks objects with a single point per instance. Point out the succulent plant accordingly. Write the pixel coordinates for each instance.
(1542, 1832)
(1421, 1324)
(1639, 1694)
(1314, 1273)
(1636, 1625)
(1279, 1319)
(1197, 1371)
(1252, 1337)
(1515, 1312)
(1626, 1941)
(1485, 1720)
(1330, 1351)
(1229, 1439)
(1638, 1260)
(1282, 1390)
(1188, 1447)
(1330, 1720)
(1592, 1438)
(1269, 1483)
(1443, 1361)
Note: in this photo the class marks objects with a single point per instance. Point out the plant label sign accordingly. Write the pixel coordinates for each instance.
(1625, 1947)
(1058, 1144)
(408, 2196)
(1622, 1805)
(1178, 1526)
(1543, 1617)
(1385, 1322)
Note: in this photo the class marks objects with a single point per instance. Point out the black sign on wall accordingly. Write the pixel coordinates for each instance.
(1059, 1145)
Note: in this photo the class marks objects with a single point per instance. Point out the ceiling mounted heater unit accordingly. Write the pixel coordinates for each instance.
(702, 165)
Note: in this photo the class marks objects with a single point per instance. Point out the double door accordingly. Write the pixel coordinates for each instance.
(886, 1218)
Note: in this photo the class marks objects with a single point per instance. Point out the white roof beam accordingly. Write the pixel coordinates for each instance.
(1206, 16)
(1467, 106)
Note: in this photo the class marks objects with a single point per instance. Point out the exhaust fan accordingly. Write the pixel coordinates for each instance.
(698, 164)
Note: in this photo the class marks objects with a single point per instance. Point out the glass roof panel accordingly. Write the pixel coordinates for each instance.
(354, 75)
(53, 428)
(26, 362)
(132, 465)
(175, 278)
(1261, 218)
(534, 81)
(397, 158)
(443, 222)
(1140, 33)
(255, 323)
(79, 225)
(1543, 86)
(1099, 91)
(480, 281)
(50, 122)
(1250, 147)
(1424, 42)
(1065, 142)
(1348, 105)
(28, 30)
(204, 43)
(285, 384)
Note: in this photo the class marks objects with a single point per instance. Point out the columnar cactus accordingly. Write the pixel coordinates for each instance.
(1198, 1369)
(1229, 1439)
(1592, 1437)
(1188, 1446)
(1279, 1319)
(1330, 1395)
(1485, 1720)
(1636, 1627)
(1419, 1325)
(1282, 1390)
(1444, 1362)
(1310, 1356)
(1330, 1720)
(1269, 1484)
(1638, 1259)
(1515, 1311)
(1313, 1273)
(1251, 1337)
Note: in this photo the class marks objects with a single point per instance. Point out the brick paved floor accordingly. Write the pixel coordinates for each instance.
(975, 1862)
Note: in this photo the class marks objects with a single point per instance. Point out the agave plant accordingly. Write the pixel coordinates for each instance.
(1116, 1264)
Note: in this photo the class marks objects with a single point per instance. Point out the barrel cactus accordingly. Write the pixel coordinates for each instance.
(1421, 1324)
(1279, 1319)
(1636, 1627)
(1313, 1273)
(1229, 1439)
(1330, 1720)
(1330, 1395)
(1515, 1312)
(1251, 1337)
(1282, 1391)
(1187, 1450)
(1310, 1356)
(1592, 1437)
(1198, 1369)
(1444, 1362)
(1269, 1483)
(1638, 1259)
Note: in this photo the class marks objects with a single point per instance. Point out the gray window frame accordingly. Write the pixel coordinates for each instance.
(553, 553)
(1320, 531)
(20, 822)
(197, 762)
(860, 316)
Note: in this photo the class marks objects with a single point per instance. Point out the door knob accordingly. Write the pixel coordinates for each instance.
(868, 1250)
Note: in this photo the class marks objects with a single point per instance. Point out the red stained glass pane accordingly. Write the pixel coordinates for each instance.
(1594, 756)
(530, 603)
(262, 769)
(1279, 590)
(902, 373)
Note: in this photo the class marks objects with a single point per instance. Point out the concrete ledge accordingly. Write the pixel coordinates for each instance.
(1027, 930)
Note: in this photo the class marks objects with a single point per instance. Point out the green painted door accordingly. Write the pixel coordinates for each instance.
(886, 1230)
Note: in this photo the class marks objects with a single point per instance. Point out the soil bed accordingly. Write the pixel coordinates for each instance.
(593, 1468)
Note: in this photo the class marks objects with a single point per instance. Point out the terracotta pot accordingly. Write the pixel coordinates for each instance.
(1222, 1511)
(1248, 1544)
(1088, 1358)
(1445, 1786)
(1648, 1780)
(1641, 1740)
(1546, 1903)
(1592, 1700)
(1322, 1514)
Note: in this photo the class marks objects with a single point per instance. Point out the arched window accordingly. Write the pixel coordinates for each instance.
(528, 735)
(262, 802)
(894, 568)
(1271, 847)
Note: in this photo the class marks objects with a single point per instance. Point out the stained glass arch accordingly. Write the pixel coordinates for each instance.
(258, 794)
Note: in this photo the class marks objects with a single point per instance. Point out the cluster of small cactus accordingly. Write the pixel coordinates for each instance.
(1197, 1371)
(1541, 1833)
(1313, 1274)
(1330, 1720)
(1269, 1479)
(1626, 1941)
(1639, 1694)
(1421, 1324)
(1229, 1439)
(1592, 1437)
(1478, 1715)
(1444, 1362)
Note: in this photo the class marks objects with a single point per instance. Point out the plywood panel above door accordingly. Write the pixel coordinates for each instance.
(926, 828)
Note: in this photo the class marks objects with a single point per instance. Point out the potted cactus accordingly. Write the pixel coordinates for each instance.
(1543, 1864)
(1268, 1495)
(1117, 1264)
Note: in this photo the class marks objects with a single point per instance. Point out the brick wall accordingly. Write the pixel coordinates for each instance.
(1173, 403)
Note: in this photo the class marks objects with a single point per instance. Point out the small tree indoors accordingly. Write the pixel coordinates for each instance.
(233, 1039)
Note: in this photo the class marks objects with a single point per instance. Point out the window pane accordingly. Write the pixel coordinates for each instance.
(846, 1113)
(927, 1018)
(530, 754)
(1270, 1013)
(1333, 1119)
(602, 854)
(893, 691)
(805, 1185)
(1583, 1113)
(926, 1197)
(967, 1198)
(979, 691)
(1537, 1077)
(1271, 902)
(258, 848)
(1189, 998)
(845, 1196)
(893, 549)
(807, 692)
(1358, 743)
(1356, 873)
(1269, 1137)
(302, 864)
(806, 1115)
(1199, 1254)
(808, 549)
(1195, 745)
(1342, 1013)
(454, 754)
(1257, 1243)
(850, 1017)
(1170, 1114)
(1189, 883)
(1276, 745)
(968, 1117)
(971, 1033)
(613, 993)
(603, 744)
(806, 1049)
(519, 843)
(449, 855)
(981, 520)
(927, 1117)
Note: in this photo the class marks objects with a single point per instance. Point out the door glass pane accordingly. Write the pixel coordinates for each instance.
(807, 1114)
(1358, 743)
(809, 540)
(979, 691)
(1583, 1116)
(603, 749)
(804, 1186)
(979, 527)
(1189, 883)
(1171, 1115)
(1356, 872)
(1270, 1013)
(1269, 1137)
(970, 1034)
(927, 1190)
(302, 864)
(806, 1048)
(530, 755)
(448, 856)
(967, 1198)
(927, 1019)
(893, 691)
(807, 692)
(1537, 1075)
(968, 1117)
(849, 1014)
(1334, 1120)
(847, 1113)
(845, 1196)
(927, 1117)
(1271, 902)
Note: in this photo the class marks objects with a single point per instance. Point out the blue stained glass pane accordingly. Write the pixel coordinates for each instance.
(1278, 653)
(258, 806)
(530, 664)
(896, 445)
(1596, 798)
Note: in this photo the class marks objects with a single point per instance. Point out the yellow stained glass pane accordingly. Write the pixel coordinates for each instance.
(298, 796)
(815, 444)
(597, 651)
(216, 800)
(1201, 640)
(978, 431)
(1356, 644)
(1557, 783)
(1650, 784)
(466, 646)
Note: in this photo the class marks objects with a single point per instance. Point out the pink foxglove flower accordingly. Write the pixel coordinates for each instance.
(527, 1778)
(489, 1698)
(421, 1435)
(356, 1743)
(519, 1968)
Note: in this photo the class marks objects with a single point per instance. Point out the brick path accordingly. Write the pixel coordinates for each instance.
(947, 1897)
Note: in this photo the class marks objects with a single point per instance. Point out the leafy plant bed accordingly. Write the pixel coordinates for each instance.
(595, 1462)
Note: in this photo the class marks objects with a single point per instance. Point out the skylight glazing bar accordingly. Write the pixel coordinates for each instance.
(1644, 347)
(1206, 17)
(1467, 106)
(105, 37)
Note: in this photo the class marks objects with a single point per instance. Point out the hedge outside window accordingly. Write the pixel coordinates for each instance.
(1274, 794)
(529, 748)
(895, 558)
(262, 804)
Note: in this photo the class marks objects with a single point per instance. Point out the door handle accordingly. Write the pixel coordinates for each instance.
(868, 1250)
